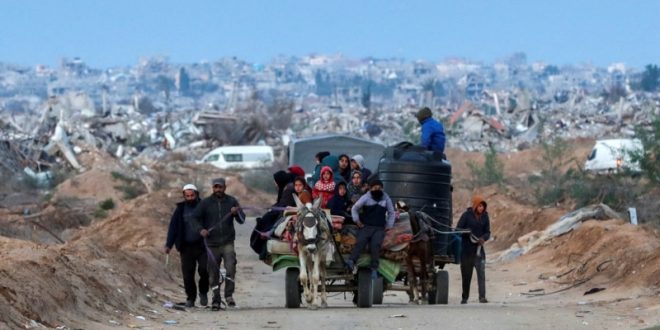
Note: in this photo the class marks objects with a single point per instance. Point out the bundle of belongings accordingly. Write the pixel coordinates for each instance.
(282, 239)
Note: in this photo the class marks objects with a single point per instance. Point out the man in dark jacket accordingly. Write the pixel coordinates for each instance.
(376, 217)
(433, 133)
(475, 219)
(214, 220)
(191, 247)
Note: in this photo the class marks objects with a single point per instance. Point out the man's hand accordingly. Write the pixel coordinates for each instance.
(359, 224)
(204, 233)
(234, 210)
(166, 250)
(481, 241)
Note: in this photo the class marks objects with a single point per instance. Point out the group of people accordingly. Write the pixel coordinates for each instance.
(202, 230)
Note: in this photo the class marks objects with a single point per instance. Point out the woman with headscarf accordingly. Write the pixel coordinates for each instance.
(357, 163)
(356, 186)
(302, 190)
(284, 183)
(264, 225)
(345, 168)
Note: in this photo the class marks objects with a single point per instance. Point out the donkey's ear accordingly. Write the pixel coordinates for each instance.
(317, 203)
(299, 204)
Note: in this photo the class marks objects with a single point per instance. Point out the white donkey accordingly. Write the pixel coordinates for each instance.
(314, 249)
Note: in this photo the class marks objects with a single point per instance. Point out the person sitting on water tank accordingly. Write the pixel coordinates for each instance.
(433, 133)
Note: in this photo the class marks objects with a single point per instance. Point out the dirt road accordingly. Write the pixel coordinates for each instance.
(260, 299)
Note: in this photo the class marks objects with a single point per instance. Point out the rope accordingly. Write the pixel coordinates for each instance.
(455, 230)
(475, 240)
(211, 258)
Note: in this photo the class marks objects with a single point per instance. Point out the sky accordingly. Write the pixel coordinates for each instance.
(107, 33)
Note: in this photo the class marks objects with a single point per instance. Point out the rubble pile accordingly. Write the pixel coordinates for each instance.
(51, 115)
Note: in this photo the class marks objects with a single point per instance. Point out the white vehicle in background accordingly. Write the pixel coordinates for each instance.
(613, 156)
(240, 157)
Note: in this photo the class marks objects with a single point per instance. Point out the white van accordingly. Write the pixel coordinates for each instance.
(240, 157)
(614, 155)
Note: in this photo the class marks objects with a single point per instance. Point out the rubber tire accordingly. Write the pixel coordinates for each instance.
(292, 287)
(379, 288)
(365, 296)
(439, 293)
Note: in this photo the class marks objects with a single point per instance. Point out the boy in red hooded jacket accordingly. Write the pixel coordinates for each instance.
(475, 219)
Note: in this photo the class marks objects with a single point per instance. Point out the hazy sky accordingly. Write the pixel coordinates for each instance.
(119, 32)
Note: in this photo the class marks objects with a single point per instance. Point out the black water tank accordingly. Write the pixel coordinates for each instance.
(422, 179)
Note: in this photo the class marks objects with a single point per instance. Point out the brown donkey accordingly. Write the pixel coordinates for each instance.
(419, 248)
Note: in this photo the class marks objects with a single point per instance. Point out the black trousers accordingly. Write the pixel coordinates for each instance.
(194, 256)
(374, 237)
(470, 262)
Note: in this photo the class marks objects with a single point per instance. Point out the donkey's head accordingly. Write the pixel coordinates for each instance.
(311, 224)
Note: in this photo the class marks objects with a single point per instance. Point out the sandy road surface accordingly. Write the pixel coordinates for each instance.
(260, 299)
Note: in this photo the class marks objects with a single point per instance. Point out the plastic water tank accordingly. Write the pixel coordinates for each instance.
(422, 179)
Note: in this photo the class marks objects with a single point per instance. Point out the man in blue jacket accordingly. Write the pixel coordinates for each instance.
(191, 247)
(433, 133)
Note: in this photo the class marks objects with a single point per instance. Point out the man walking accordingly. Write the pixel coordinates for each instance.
(214, 220)
(475, 219)
(191, 247)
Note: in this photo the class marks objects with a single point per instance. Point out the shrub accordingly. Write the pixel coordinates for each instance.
(129, 191)
(107, 204)
(121, 176)
(100, 213)
(553, 185)
(491, 172)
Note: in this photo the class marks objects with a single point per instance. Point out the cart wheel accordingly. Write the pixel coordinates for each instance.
(439, 293)
(365, 296)
(292, 287)
(379, 288)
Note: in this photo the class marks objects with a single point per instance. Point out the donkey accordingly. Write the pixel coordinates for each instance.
(314, 249)
(418, 248)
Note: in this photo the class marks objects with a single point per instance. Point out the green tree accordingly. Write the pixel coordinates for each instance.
(551, 183)
(649, 158)
(650, 78)
(491, 172)
(183, 81)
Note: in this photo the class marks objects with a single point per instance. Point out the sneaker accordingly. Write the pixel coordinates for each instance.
(203, 299)
(190, 303)
(463, 301)
(230, 301)
(216, 306)
(483, 300)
